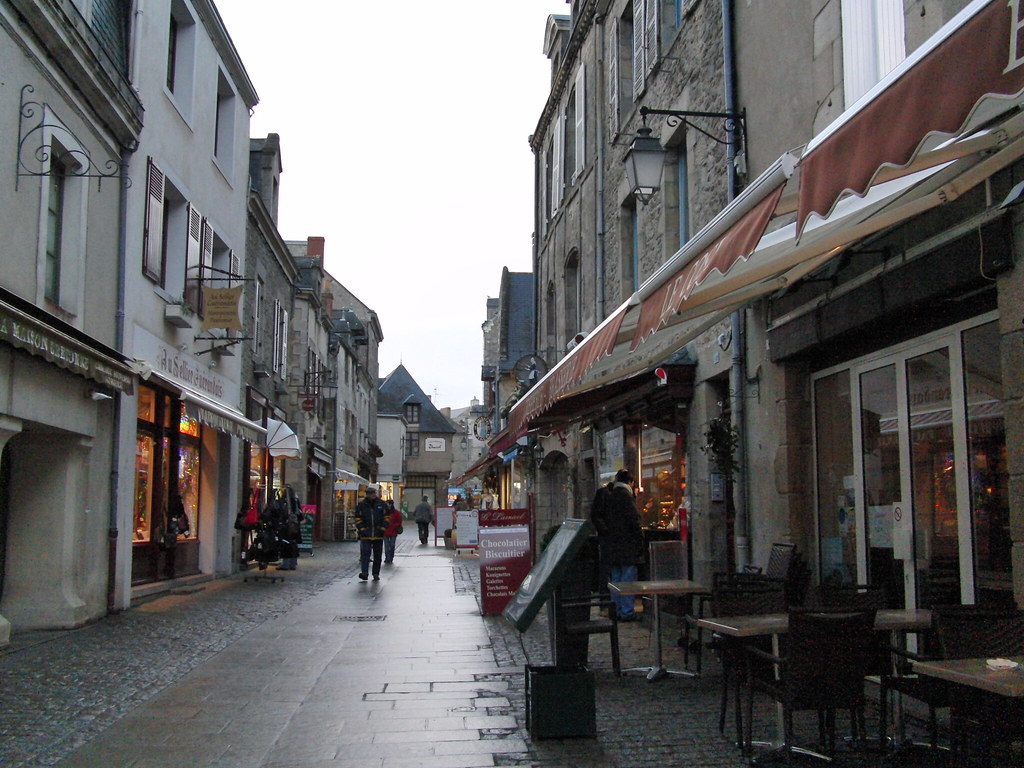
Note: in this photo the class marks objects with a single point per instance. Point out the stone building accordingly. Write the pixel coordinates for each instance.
(269, 297)
(822, 275)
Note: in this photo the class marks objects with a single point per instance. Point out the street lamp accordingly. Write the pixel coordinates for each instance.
(644, 161)
(645, 158)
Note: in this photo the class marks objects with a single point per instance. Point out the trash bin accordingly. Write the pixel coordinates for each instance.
(560, 702)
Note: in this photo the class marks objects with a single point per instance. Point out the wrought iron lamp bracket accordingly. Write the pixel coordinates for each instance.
(735, 123)
(36, 156)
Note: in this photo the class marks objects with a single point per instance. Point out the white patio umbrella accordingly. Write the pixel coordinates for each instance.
(282, 441)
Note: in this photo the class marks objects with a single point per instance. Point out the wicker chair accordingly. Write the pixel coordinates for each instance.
(749, 600)
(959, 632)
(978, 720)
(827, 655)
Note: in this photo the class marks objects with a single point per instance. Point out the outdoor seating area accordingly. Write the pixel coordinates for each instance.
(844, 677)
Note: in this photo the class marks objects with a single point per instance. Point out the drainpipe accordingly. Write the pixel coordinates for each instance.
(601, 127)
(115, 427)
(737, 370)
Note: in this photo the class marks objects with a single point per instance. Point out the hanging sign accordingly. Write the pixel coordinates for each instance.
(220, 308)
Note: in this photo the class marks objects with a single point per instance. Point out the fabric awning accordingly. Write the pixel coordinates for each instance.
(282, 441)
(348, 481)
(979, 62)
(212, 413)
(728, 237)
(72, 350)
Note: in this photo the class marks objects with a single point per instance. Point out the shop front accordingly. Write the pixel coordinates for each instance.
(57, 455)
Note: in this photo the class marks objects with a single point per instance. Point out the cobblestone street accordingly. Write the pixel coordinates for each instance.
(60, 690)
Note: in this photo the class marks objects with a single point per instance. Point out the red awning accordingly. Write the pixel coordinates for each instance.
(938, 90)
(737, 243)
(570, 369)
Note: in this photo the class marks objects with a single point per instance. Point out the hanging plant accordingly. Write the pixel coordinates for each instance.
(721, 439)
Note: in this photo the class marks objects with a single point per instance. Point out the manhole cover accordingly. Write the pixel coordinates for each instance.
(360, 618)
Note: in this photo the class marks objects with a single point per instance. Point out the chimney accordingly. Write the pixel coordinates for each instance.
(315, 248)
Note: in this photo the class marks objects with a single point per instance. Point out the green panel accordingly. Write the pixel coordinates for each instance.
(547, 573)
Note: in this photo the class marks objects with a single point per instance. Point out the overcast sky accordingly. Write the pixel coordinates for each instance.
(404, 129)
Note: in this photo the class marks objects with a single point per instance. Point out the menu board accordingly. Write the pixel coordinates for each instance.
(307, 525)
(547, 573)
(467, 522)
(504, 563)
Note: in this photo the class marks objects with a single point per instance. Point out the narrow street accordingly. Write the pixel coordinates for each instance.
(324, 670)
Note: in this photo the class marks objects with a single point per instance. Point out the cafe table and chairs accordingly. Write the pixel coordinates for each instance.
(776, 625)
(655, 589)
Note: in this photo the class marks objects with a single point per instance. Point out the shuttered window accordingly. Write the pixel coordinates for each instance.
(153, 247)
(193, 257)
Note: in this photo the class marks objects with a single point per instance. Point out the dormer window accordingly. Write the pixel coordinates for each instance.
(412, 413)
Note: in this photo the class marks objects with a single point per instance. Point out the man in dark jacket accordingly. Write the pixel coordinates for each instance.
(371, 523)
(619, 537)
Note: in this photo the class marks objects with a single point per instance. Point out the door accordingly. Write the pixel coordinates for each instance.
(911, 470)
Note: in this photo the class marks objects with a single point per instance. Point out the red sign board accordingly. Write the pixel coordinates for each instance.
(309, 404)
(504, 562)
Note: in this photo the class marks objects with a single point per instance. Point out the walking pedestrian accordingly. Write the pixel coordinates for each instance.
(424, 516)
(391, 534)
(371, 523)
(619, 537)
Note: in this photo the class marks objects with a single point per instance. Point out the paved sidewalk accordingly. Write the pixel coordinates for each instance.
(325, 671)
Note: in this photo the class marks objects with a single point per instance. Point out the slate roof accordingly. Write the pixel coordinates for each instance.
(399, 388)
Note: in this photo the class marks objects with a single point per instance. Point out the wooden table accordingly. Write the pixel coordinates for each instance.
(892, 620)
(975, 673)
(775, 624)
(656, 588)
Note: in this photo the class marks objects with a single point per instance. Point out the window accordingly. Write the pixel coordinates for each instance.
(873, 43)
(578, 125)
(572, 294)
(646, 33)
(54, 230)
(60, 251)
(172, 237)
(569, 138)
(549, 321)
(181, 43)
(280, 351)
(198, 258)
(629, 249)
(620, 71)
(412, 413)
(224, 125)
(257, 316)
(557, 149)
(412, 445)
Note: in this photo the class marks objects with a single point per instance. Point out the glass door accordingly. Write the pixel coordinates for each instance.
(911, 470)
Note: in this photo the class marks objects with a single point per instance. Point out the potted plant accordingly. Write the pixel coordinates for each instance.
(721, 440)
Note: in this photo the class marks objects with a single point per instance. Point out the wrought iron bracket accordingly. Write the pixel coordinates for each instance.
(36, 156)
(735, 124)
